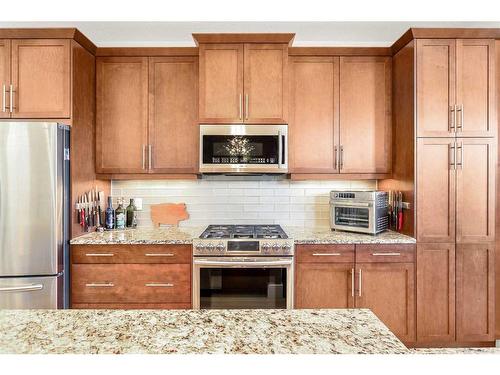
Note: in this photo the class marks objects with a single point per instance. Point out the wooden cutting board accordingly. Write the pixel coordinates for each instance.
(168, 213)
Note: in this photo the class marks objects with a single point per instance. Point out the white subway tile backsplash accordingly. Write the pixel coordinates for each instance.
(284, 202)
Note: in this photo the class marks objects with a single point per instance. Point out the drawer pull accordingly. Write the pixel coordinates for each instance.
(159, 254)
(99, 254)
(100, 285)
(326, 254)
(387, 254)
(159, 285)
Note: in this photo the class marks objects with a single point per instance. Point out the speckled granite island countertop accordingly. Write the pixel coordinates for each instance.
(185, 235)
(195, 331)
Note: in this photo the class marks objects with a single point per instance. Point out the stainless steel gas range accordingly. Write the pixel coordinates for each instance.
(243, 267)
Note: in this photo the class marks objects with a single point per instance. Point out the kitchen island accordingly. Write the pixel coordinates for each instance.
(346, 331)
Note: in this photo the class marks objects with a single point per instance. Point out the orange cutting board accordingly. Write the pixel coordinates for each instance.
(168, 213)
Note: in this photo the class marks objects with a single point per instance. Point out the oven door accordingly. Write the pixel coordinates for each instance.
(356, 217)
(243, 283)
(243, 149)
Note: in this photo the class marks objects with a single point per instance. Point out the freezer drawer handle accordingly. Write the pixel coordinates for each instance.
(159, 285)
(159, 254)
(22, 288)
(100, 285)
(387, 254)
(99, 254)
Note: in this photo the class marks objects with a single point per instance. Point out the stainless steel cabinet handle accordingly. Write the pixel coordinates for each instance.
(99, 254)
(360, 279)
(461, 148)
(453, 118)
(159, 254)
(326, 254)
(352, 282)
(453, 156)
(341, 157)
(100, 285)
(11, 104)
(335, 157)
(4, 98)
(460, 110)
(143, 156)
(387, 254)
(22, 288)
(240, 102)
(246, 106)
(150, 156)
(159, 285)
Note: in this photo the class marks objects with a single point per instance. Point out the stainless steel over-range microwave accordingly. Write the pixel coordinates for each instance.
(244, 149)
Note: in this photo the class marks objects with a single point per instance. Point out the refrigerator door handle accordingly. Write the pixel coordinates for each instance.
(22, 288)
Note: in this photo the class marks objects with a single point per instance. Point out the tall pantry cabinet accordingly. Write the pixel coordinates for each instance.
(449, 87)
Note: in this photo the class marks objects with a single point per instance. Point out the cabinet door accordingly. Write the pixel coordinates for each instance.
(221, 83)
(122, 114)
(436, 180)
(365, 114)
(324, 285)
(4, 77)
(475, 292)
(475, 83)
(388, 289)
(173, 114)
(41, 78)
(266, 83)
(435, 87)
(476, 189)
(314, 100)
(435, 292)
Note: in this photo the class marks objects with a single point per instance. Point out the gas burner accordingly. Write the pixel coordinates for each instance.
(244, 232)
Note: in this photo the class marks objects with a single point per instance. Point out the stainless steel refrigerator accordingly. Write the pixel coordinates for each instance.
(34, 215)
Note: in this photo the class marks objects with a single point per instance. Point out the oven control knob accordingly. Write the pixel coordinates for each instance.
(286, 247)
(210, 247)
(220, 247)
(200, 247)
(276, 247)
(266, 247)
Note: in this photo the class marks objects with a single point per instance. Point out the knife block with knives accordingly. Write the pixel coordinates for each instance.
(396, 207)
(89, 210)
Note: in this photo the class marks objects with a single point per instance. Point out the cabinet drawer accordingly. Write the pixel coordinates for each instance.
(131, 283)
(132, 306)
(131, 254)
(324, 253)
(401, 253)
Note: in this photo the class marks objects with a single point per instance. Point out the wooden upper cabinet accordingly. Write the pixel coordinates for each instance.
(41, 78)
(221, 83)
(435, 292)
(388, 289)
(436, 181)
(475, 292)
(4, 76)
(173, 102)
(122, 114)
(365, 114)
(265, 83)
(475, 87)
(314, 113)
(435, 87)
(475, 212)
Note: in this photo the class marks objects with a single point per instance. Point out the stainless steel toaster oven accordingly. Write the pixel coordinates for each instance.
(359, 211)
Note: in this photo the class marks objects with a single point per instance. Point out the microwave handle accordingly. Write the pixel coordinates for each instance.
(280, 150)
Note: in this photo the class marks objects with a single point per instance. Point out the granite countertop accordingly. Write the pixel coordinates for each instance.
(196, 331)
(185, 235)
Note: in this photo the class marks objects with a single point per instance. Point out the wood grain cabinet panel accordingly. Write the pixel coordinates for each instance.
(4, 77)
(131, 283)
(173, 103)
(221, 83)
(435, 87)
(475, 292)
(324, 285)
(475, 212)
(122, 114)
(41, 78)
(388, 289)
(365, 114)
(436, 181)
(436, 292)
(475, 88)
(265, 83)
(314, 122)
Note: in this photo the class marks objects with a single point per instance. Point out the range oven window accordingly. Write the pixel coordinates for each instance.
(240, 149)
(352, 217)
(243, 288)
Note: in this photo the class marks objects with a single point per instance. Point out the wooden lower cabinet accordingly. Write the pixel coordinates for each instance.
(388, 289)
(475, 279)
(436, 292)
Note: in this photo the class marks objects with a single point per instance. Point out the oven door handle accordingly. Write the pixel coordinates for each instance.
(281, 262)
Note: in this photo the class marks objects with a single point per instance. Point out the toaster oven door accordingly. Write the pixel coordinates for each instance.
(356, 217)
